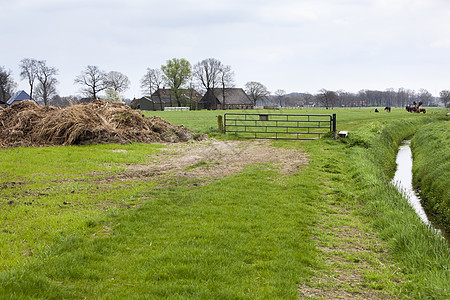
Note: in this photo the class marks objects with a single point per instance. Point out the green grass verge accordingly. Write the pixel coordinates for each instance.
(431, 170)
(52, 191)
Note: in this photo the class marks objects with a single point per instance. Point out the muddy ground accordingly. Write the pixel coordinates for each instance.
(214, 159)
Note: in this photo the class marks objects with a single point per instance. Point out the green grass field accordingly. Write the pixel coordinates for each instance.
(72, 226)
(347, 119)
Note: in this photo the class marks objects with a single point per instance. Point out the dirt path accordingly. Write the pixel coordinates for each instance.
(214, 159)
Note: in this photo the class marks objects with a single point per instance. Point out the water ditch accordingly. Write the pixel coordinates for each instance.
(403, 181)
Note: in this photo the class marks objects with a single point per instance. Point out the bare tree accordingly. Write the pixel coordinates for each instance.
(280, 94)
(7, 85)
(46, 88)
(362, 98)
(117, 81)
(327, 98)
(28, 71)
(390, 95)
(92, 81)
(347, 99)
(152, 82)
(445, 97)
(404, 97)
(343, 98)
(207, 73)
(425, 97)
(226, 77)
(256, 91)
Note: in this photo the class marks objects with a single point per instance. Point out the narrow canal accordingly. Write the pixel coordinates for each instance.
(403, 180)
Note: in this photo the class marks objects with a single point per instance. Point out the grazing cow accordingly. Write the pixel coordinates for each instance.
(387, 108)
(376, 110)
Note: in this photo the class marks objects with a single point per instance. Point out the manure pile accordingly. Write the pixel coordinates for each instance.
(29, 124)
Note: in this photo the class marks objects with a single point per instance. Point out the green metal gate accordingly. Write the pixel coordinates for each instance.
(279, 126)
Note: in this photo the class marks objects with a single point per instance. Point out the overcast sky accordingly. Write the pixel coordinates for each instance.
(294, 45)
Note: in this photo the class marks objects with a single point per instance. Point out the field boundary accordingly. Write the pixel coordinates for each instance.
(279, 126)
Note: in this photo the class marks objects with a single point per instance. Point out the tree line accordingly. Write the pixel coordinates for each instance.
(205, 76)
(364, 98)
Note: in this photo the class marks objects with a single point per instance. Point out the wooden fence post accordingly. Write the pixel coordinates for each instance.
(220, 123)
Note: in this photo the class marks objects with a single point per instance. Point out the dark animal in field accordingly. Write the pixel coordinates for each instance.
(416, 108)
(376, 110)
(387, 108)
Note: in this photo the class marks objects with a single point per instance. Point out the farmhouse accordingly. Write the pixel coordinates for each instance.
(165, 98)
(228, 98)
(309, 104)
(19, 96)
(144, 103)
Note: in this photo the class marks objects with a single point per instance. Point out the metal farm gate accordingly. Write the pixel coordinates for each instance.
(279, 126)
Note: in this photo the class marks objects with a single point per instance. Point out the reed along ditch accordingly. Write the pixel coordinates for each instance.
(403, 179)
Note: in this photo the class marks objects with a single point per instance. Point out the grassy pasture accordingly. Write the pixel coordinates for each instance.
(73, 227)
(347, 119)
(51, 191)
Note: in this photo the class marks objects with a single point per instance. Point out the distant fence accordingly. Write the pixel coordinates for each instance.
(279, 126)
(174, 108)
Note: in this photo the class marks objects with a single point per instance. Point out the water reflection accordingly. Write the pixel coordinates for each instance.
(403, 180)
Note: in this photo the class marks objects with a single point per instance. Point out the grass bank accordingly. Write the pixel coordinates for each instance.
(431, 170)
(423, 255)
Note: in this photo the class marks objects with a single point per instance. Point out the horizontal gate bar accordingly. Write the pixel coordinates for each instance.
(290, 126)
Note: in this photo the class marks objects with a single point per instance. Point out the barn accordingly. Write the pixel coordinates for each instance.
(145, 103)
(164, 98)
(228, 98)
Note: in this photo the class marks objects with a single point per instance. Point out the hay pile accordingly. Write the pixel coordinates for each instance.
(29, 124)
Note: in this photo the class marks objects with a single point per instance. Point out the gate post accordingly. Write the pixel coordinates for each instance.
(334, 127)
(334, 122)
(220, 123)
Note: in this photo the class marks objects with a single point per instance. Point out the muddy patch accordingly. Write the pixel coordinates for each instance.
(217, 159)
